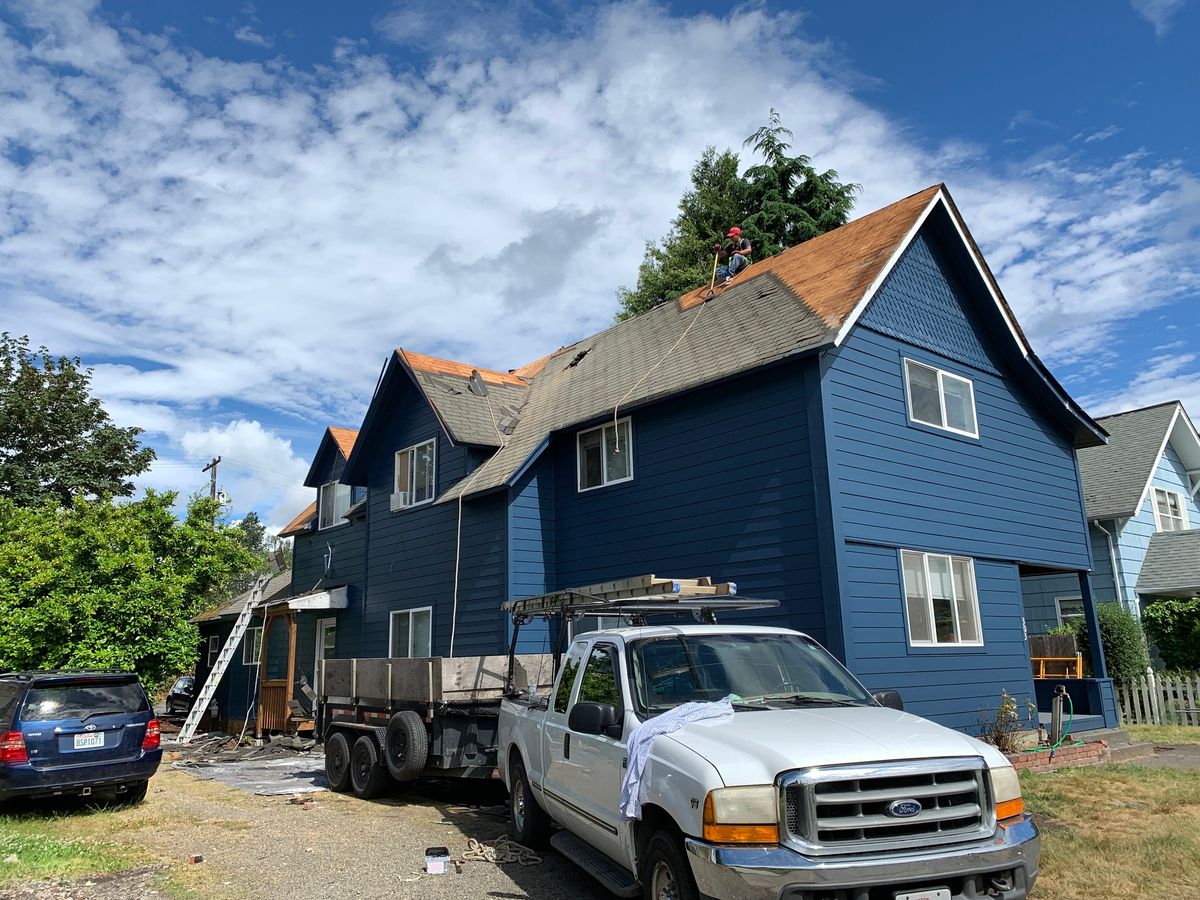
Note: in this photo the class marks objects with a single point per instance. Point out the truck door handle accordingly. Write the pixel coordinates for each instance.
(567, 746)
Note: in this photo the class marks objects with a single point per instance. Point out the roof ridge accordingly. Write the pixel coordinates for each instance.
(1140, 409)
(427, 362)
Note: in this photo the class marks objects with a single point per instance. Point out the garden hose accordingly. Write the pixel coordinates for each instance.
(1070, 720)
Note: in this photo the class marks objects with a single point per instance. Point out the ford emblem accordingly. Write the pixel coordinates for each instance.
(903, 809)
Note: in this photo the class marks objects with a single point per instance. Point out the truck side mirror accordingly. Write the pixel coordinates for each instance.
(890, 699)
(592, 718)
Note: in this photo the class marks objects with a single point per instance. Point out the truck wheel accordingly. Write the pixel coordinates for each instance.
(665, 873)
(406, 747)
(367, 774)
(530, 823)
(337, 763)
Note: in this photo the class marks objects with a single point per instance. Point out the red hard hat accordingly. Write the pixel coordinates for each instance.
(734, 232)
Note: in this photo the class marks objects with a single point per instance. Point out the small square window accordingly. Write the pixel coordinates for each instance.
(1068, 608)
(411, 633)
(605, 455)
(940, 399)
(1170, 512)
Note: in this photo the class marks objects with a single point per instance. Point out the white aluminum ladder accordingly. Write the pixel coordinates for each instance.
(204, 698)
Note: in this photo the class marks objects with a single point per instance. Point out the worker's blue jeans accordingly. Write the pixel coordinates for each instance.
(736, 264)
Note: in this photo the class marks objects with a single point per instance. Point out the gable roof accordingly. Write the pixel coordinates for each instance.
(344, 438)
(1117, 477)
(334, 440)
(279, 586)
(1172, 564)
(468, 416)
(803, 300)
(300, 524)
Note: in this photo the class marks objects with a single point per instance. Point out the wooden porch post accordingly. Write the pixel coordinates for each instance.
(1099, 667)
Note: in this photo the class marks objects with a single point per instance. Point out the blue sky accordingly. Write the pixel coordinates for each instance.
(234, 211)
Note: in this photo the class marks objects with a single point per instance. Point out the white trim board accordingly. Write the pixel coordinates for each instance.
(959, 226)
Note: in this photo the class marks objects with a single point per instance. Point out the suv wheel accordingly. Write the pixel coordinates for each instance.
(367, 774)
(135, 793)
(665, 873)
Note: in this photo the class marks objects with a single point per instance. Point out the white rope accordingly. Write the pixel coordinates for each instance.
(662, 359)
(500, 851)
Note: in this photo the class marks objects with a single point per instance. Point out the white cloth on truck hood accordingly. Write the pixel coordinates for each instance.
(643, 736)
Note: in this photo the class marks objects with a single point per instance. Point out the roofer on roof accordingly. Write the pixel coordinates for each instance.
(736, 252)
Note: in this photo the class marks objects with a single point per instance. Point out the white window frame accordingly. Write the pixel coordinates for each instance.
(214, 649)
(412, 464)
(953, 600)
(604, 479)
(252, 646)
(338, 487)
(1073, 598)
(1183, 510)
(392, 630)
(319, 650)
(942, 375)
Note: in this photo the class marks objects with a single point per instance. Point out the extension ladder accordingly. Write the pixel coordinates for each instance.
(204, 698)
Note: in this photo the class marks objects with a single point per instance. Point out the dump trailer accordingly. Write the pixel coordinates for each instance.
(402, 719)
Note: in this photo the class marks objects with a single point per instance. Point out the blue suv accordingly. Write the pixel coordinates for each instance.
(75, 734)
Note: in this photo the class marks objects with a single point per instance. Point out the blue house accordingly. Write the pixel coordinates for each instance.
(857, 427)
(1141, 496)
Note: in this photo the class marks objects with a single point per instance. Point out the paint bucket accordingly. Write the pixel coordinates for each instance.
(437, 860)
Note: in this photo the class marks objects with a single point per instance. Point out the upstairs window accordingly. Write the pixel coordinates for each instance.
(333, 502)
(414, 476)
(940, 599)
(605, 455)
(940, 399)
(1170, 513)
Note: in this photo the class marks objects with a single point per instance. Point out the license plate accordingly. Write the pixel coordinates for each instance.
(932, 894)
(91, 741)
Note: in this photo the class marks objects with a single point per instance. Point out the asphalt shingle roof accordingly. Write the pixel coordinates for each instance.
(1115, 475)
(300, 524)
(278, 587)
(1172, 564)
(469, 417)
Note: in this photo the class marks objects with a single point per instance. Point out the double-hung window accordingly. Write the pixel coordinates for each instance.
(1170, 513)
(252, 647)
(940, 599)
(1068, 608)
(605, 455)
(333, 502)
(411, 633)
(940, 399)
(414, 475)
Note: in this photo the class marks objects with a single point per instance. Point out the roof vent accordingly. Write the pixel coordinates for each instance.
(578, 358)
(477, 386)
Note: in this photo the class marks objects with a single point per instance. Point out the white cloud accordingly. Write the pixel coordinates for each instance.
(248, 35)
(1158, 13)
(1102, 135)
(1175, 377)
(255, 236)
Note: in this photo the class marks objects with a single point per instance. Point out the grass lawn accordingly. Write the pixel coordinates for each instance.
(1116, 831)
(1163, 734)
(40, 845)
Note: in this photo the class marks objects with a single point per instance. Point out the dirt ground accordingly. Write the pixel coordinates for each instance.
(270, 849)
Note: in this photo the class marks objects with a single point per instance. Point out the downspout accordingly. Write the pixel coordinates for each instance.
(1118, 591)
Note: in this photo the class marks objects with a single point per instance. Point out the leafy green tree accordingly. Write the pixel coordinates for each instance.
(1174, 626)
(104, 585)
(779, 203)
(56, 440)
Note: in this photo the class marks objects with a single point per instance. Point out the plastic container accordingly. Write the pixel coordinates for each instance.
(437, 860)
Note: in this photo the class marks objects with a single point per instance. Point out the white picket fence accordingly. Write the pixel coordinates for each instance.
(1159, 700)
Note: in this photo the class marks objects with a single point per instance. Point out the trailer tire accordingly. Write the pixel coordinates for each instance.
(368, 777)
(406, 745)
(530, 823)
(337, 762)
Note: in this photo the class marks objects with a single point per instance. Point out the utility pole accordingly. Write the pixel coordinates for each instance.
(212, 486)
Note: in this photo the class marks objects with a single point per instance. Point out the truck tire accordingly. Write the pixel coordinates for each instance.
(406, 745)
(530, 823)
(368, 777)
(665, 872)
(337, 762)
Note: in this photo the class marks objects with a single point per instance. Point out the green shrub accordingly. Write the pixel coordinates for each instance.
(1122, 639)
(1174, 626)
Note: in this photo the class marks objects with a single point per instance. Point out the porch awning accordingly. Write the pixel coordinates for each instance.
(1172, 565)
(331, 598)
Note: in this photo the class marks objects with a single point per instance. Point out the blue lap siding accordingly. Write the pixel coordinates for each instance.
(1010, 496)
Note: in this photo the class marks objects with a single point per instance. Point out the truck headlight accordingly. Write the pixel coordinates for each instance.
(1006, 792)
(742, 815)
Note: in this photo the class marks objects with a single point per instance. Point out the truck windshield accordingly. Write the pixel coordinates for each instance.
(674, 669)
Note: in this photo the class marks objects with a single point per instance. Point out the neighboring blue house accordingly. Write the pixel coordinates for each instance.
(857, 427)
(1141, 496)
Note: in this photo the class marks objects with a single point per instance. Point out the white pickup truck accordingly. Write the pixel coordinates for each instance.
(812, 790)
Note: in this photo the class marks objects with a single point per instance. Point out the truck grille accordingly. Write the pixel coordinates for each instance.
(857, 809)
